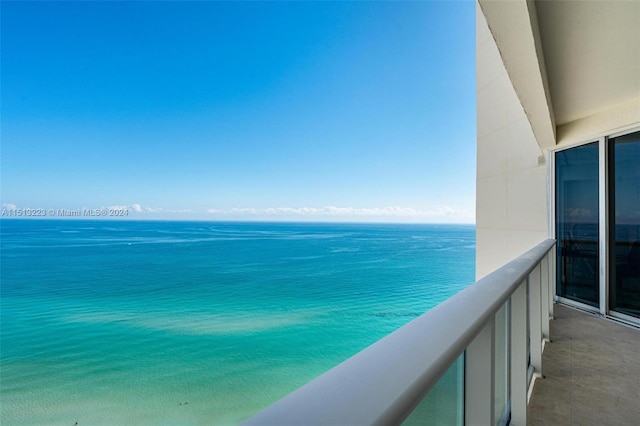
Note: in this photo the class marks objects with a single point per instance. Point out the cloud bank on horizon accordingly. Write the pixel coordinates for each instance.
(444, 212)
(134, 211)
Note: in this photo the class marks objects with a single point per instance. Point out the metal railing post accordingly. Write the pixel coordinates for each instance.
(535, 320)
(479, 373)
(544, 295)
(552, 278)
(518, 353)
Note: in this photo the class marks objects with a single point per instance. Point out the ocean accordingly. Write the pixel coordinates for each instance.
(193, 323)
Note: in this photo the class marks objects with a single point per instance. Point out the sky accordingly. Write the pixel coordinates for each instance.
(296, 111)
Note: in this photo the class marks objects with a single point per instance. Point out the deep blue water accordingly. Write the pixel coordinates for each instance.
(119, 322)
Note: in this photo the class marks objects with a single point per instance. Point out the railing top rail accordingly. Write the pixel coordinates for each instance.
(384, 382)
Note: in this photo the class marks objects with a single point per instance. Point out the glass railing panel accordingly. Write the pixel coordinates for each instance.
(444, 404)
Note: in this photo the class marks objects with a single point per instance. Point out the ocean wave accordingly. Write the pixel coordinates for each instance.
(345, 250)
(200, 323)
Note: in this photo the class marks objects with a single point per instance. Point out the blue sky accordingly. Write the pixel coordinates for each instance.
(320, 111)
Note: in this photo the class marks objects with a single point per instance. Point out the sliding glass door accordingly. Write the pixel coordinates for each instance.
(597, 224)
(577, 217)
(624, 230)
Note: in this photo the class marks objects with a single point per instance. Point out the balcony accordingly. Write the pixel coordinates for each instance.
(477, 359)
(470, 360)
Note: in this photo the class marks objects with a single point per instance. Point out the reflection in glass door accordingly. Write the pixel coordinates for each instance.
(577, 217)
(624, 217)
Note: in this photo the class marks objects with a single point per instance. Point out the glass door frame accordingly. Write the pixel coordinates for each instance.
(604, 231)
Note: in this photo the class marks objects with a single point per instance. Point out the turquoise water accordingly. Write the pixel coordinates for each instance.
(123, 322)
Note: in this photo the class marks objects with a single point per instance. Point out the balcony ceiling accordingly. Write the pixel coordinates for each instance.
(592, 55)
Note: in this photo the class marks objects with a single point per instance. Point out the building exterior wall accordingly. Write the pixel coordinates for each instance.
(618, 119)
(511, 181)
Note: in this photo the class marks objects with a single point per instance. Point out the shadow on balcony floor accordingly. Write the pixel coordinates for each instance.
(592, 373)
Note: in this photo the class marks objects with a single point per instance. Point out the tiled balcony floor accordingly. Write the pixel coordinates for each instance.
(592, 373)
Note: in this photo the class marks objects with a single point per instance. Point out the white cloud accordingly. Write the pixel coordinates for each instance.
(9, 206)
(138, 208)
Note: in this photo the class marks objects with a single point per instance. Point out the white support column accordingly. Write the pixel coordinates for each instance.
(479, 387)
(544, 297)
(518, 352)
(535, 321)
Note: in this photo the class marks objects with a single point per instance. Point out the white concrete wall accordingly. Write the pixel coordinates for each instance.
(623, 117)
(511, 187)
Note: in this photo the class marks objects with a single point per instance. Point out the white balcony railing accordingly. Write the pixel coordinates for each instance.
(499, 325)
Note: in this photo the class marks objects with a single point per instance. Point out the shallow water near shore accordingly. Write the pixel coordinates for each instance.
(125, 322)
